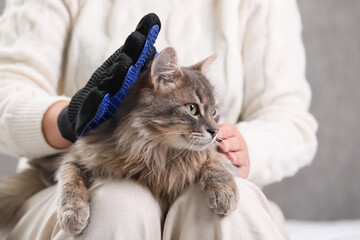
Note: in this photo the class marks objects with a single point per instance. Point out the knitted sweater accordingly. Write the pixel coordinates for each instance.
(49, 49)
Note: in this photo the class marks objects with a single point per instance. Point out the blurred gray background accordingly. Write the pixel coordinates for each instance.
(330, 188)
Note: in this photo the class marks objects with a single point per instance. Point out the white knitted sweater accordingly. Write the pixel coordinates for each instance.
(49, 49)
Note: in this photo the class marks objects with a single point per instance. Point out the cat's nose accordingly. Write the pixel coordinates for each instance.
(213, 131)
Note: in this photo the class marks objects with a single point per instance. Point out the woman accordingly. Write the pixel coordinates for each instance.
(49, 49)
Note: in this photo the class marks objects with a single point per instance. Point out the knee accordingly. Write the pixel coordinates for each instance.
(123, 198)
(247, 193)
(247, 219)
(250, 193)
(122, 210)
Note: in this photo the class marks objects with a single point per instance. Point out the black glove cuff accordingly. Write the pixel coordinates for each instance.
(65, 126)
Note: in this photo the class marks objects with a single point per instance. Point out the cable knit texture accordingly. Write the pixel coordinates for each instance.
(49, 49)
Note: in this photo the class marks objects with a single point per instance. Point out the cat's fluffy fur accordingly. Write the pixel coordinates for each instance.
(154, 139)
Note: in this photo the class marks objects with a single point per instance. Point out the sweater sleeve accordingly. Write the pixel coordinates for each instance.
(275, 121)
(32, 43)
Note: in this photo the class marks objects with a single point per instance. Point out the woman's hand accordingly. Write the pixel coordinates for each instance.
(50, 127)
(234, 146)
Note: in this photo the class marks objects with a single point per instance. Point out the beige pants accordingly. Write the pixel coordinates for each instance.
(126, 210)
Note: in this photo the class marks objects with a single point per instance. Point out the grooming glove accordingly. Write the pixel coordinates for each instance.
(107, 87)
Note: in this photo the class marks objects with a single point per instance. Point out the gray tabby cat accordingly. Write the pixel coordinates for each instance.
(161, 137)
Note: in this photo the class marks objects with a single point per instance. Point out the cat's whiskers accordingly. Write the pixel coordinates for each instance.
(188, 152)
(191, 146)
(153, 168)
(214, 140)
(186, 148)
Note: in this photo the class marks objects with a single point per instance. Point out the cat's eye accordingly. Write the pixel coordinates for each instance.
(192, 108)
(213, 111)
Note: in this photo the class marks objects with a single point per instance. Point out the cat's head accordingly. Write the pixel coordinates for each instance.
(176, 105)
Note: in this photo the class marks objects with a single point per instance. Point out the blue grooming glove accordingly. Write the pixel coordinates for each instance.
(109, 84)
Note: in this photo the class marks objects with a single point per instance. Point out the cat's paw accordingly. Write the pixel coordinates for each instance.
(74, 218)
(222, 199)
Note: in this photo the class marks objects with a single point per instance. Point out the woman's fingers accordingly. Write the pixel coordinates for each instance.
(244, 171)
(226, 130)
(241, 161)
(237, 158)
(232, 144)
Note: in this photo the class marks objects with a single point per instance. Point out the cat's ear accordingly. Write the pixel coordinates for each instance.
(204, 65)
(165, 73)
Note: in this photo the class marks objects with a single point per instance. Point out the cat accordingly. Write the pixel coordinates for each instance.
(162, 137)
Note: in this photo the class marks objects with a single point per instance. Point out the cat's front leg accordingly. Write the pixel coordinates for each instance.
(73, 203)
(217, 180)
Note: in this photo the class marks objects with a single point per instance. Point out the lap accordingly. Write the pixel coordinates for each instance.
(114, 205)
(131, 208)
(190, 217)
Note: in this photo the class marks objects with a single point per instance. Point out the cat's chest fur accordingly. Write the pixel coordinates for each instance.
(166, 172)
